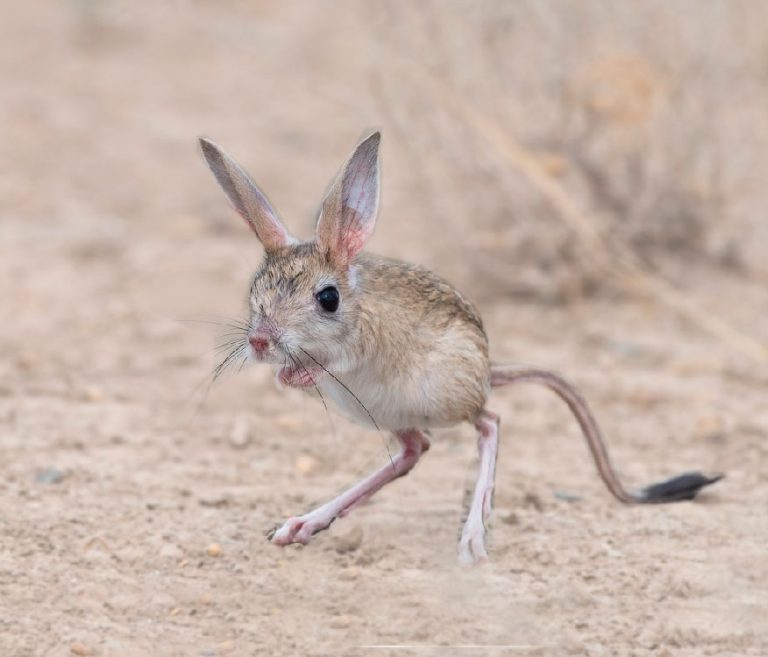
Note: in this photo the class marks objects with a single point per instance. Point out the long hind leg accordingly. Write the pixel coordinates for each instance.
(413, 443)
(472, 542)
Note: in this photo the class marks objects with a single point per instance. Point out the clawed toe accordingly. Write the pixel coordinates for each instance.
(472, 549)
(295, 530)
(288, 533)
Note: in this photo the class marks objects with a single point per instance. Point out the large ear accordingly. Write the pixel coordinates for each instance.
(348, 215)
(246, 197)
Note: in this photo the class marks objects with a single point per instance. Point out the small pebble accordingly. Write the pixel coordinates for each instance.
(96, 555)
(49, 476)
(288, 422)
(213, 550)
(554, 164)
(27, 362)
(533, 500)
(172, 551)
(711, 428)
(643, 398)
(91, 394)
(349, 541)
(544, 558)
(214, 502)
(80, 649)
(510, 518)
(240, 433)
(566, 497)
(349, 574)
(306, 464)
(340, 623)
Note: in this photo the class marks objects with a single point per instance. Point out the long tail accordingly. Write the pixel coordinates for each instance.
(683, 487)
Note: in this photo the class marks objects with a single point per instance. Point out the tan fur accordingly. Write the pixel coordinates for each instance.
(404, 341)
(403, 351)
(419, 332)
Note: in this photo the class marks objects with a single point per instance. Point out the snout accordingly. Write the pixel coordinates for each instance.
(260, 344)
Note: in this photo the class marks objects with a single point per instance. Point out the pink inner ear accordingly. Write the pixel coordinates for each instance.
(353, 240)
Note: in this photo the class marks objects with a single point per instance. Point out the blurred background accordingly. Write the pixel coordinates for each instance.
(591, 173)
(648, 117)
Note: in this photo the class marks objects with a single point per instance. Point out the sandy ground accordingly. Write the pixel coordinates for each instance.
(115, 482)
(133, 504)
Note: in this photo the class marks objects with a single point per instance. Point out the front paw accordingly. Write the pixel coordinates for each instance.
(299, 377)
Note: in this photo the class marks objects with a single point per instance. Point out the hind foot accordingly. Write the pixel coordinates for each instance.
(300, 529)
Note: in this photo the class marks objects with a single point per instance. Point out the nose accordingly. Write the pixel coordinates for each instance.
(259, 343)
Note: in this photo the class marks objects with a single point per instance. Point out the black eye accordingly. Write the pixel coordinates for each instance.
(328, 298)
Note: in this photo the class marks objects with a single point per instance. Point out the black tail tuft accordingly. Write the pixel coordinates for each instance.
(683, 487)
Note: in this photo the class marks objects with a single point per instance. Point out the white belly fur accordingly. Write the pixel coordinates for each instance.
(401, 405)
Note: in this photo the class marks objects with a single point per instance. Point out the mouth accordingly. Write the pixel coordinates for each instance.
(300, 377)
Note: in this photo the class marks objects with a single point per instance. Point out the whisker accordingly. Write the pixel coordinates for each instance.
(354, 396)
(296, 362)
(233, 344)
(227, 361)
(234, 351)
(229, 344)
(243, 362)
(227, 322)
(235, 331)
(209, 379)
(341, 383)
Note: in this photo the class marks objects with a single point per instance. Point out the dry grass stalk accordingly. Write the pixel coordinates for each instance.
(615, 257)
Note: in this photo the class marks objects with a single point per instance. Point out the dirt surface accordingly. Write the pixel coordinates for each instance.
(134, 502)
(114, 485)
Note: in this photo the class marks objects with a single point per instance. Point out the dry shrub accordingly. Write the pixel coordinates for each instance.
(641, 135)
